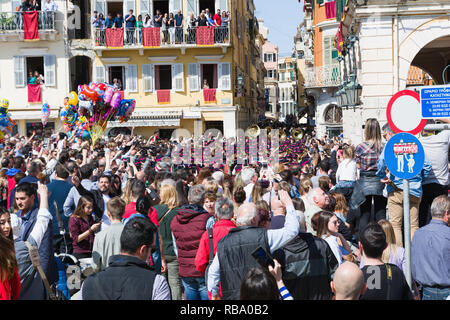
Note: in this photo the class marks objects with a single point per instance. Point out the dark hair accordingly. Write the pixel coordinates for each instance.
(103, 176)
(286, 175)
(18, 162)
(28, 188)
(331, 203)
(5, 162)
(324, 183)
(19, 176)
(136, 233)
(259, 284)
(61, 172)
(8, 262)
(315, 221)
(373, 240)
(322, 222)
(181, 193)
(137, 188)
(86, 171)
(298, 204)
(239, 195)
(143, 205)
(62, 135)
(324, 165)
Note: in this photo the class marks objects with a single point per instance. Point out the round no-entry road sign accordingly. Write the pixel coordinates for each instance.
(404, 112)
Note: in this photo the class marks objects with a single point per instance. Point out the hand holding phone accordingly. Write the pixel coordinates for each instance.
(263, 258)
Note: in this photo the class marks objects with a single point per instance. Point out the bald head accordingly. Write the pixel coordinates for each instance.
(247, 215)
(348, 282)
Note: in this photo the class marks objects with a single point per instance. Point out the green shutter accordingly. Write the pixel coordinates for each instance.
(340, 5)
(319, 2)
(334, 54)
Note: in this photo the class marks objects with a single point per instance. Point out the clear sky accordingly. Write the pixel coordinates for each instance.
(282, 18)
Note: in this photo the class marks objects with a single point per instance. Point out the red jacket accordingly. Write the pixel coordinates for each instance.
(10, 288)
(220, 230)
(130, 209)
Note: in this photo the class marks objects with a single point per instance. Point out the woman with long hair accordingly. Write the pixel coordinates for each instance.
(82, 228)
(368, 187)
(227, 186)
(9, 275)
(328, 229)
(167, 210)
(202, 175)
(126, 195)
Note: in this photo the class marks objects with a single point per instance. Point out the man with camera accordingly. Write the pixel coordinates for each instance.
(239, 244)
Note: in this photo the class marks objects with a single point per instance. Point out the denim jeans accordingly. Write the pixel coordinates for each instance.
(435, 293)
(195, 288)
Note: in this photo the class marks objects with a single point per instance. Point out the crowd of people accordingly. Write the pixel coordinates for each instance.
(171, 24)
(329, 227)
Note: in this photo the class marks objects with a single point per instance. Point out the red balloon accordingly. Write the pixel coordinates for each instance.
(101, 86)
(91, 94)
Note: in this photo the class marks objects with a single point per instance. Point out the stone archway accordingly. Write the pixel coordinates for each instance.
(332, 115)
(426, 47)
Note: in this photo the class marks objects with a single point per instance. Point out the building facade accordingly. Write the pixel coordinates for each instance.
(322, 69)
(270, 58)
(167, 78)
(45, 55)
(287, 84)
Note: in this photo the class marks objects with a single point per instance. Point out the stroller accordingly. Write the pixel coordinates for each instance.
(71, 271)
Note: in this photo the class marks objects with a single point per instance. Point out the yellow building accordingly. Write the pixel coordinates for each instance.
(167, 79)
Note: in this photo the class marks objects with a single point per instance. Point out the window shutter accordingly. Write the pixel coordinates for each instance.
(327, 50)
(145, 8)
(100, 6)
(19, 71)
(222, 5)
(147, 77)
(177, 77)
(194, 77)
(224, 76)
(192, 6)
(131, 82)
(175, 5)
(128, 4)
(50, 70)
(99, 73)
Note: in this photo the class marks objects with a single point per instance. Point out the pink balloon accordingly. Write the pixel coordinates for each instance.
(109, 92)
(115, 101)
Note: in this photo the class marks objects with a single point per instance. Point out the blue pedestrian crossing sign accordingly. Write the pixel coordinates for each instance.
(404, 156)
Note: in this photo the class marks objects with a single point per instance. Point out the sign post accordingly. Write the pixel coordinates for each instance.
(405, 157)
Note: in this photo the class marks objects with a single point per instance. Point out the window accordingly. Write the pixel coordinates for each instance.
(333, 114)
(37, 126)
(116, 76)
(44, 66)
(209, 74)
(163, 77)
(330, 53)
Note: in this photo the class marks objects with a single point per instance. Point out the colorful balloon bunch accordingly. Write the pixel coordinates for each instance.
(6, 123)
(45, 113)
(90, 110)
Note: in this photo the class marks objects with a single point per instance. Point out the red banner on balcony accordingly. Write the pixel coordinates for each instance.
(151, 37)
(30, 26)
(163, 96)
(205, 36)
(114, 38)
(209, 95)
(34, 93)
(330, 10)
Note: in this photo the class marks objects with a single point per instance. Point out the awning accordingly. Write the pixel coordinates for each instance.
(150, 119)
(31, 115)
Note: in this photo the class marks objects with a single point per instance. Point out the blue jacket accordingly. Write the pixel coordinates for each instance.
(46, 249)
(415, 184)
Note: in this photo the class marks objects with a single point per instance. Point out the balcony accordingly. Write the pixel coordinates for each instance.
(147, 38)
(323, 76)
(11, 25)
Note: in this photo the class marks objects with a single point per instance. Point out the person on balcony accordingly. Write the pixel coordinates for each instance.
(148, 21)
(202, 20)
(101, 21)
(179, 21)
(34, 5)
(192, 23)
(118, 21)
(109, 22)
(139, 26)
(49, 9)
(217, 19)
(130, 26)
(158, 19)
(95, 20)
(210, 20)
(165, 28)
(172, 28)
